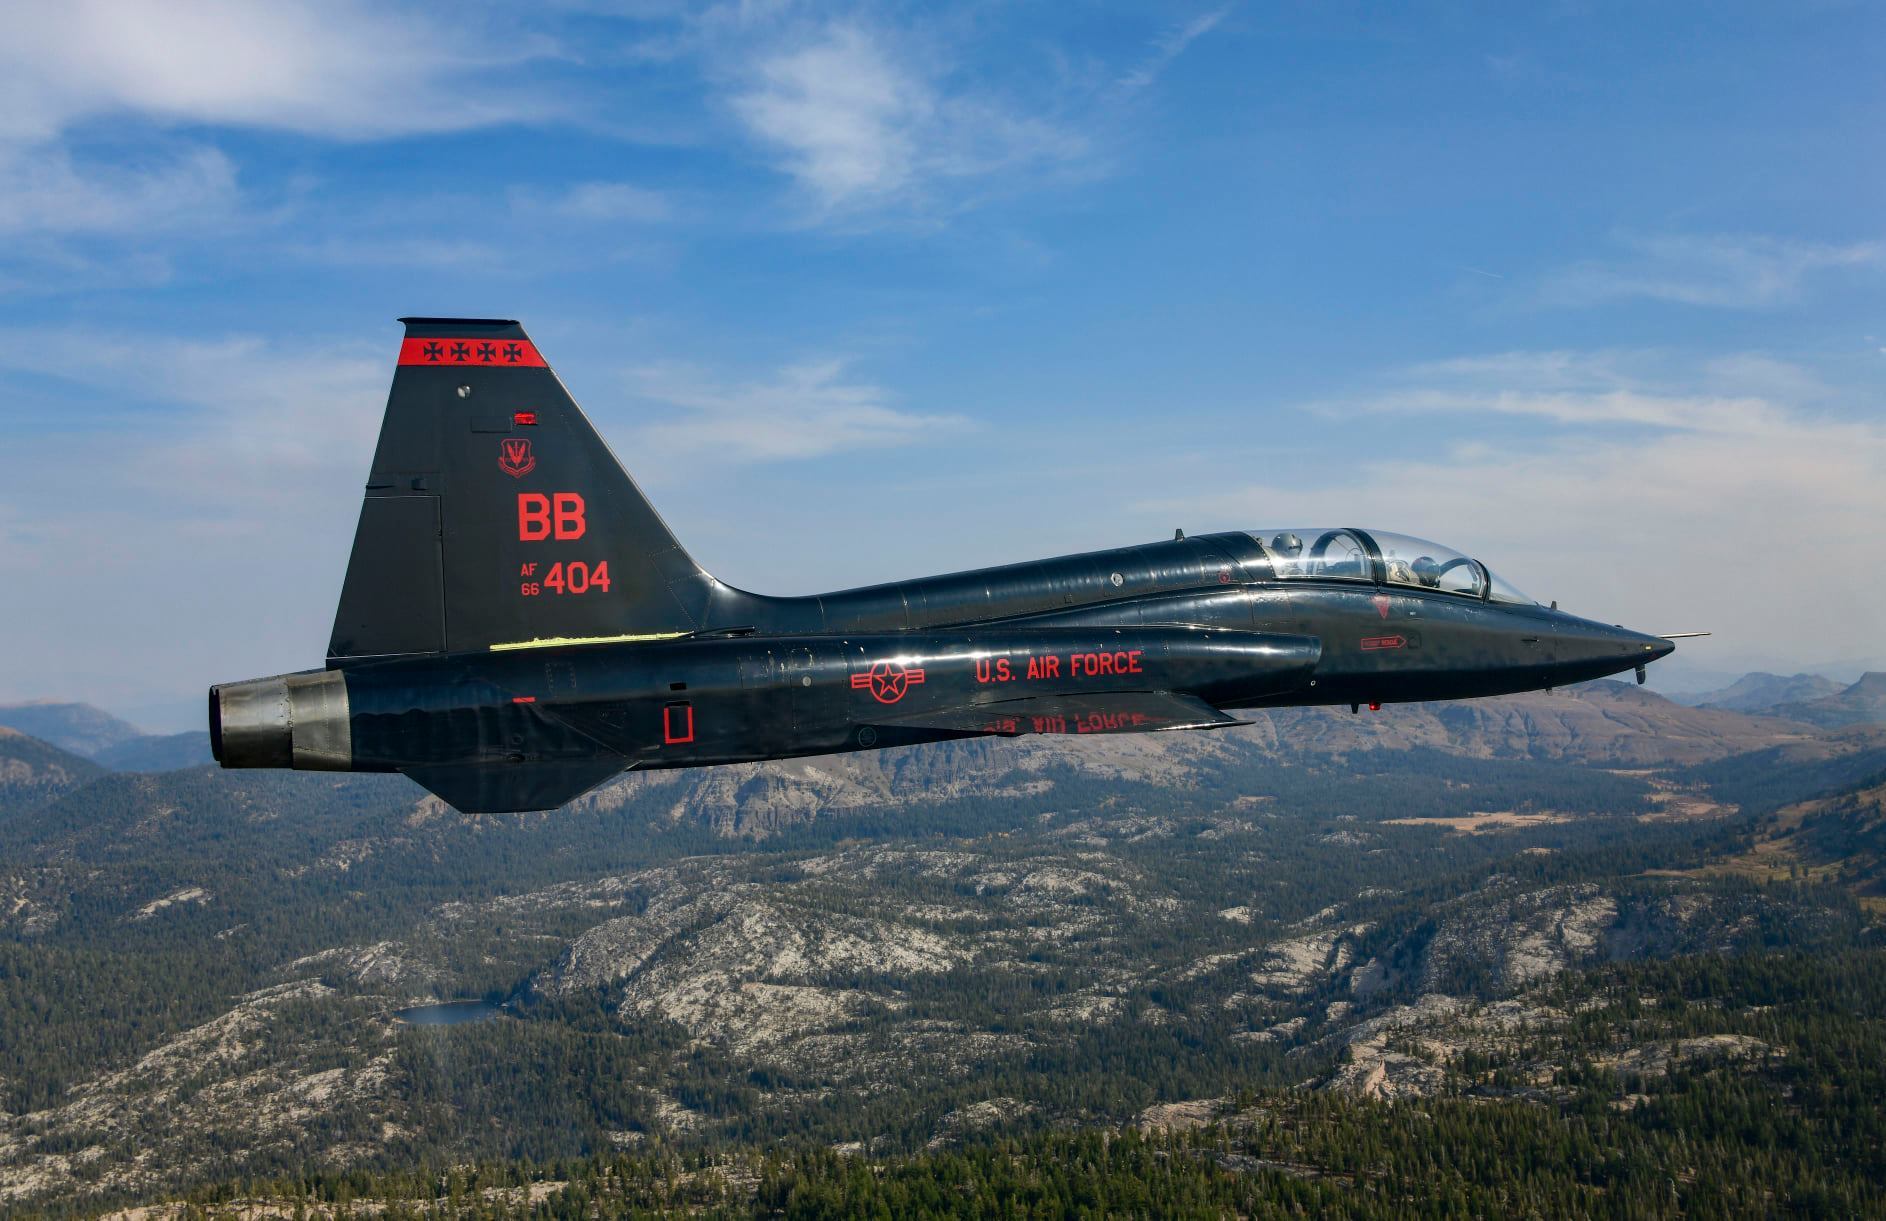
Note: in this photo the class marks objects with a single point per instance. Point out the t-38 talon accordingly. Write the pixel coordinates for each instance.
(518, 624)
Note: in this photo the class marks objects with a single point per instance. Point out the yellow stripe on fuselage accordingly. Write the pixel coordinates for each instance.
(554, 642)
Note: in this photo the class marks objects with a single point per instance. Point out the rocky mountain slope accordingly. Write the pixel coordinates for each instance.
(877, 991)
(1761, 692)
(78, 728)
(33, 772)
(1863, 703)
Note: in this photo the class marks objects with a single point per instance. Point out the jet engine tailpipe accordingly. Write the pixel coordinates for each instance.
(289, 720)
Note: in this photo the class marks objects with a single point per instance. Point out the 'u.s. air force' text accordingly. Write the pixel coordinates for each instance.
(1050, 666)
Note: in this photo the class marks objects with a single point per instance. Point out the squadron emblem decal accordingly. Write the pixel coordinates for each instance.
(515, 458)
(887, 681)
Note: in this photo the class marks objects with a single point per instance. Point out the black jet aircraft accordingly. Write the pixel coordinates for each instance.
(518, 625)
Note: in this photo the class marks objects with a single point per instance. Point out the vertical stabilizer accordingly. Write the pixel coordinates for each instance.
(496, 517)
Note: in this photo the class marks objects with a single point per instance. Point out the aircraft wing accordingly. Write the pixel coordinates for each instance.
(503, 788)
(1100, 712)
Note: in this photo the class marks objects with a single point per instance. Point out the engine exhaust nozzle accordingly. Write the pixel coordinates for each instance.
(288, 720)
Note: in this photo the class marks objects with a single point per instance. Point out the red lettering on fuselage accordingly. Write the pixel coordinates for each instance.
(1045, 666)
(1104, 665)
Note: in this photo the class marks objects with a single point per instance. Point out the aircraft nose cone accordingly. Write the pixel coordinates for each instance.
(1586, 650)
(1640, 648)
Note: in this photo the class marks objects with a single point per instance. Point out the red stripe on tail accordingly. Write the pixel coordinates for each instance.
(481, 353)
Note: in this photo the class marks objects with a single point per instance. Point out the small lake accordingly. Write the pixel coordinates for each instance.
(447, 1013)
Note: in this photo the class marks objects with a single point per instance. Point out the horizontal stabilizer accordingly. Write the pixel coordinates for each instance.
(1116, 712)
(506, 788)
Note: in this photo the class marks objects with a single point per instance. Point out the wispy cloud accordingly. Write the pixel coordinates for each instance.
(42, 190)
(1723, 271)
(1581, 389)
(212, 421)
(861, 121)
(338, 69)
(610, 201)
(1172, 44)
(802, 411)
(206, 478)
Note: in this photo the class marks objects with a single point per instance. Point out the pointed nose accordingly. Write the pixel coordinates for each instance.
(1639, 648)
(1584, 650)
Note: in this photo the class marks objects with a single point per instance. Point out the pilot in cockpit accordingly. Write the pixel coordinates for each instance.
(1286, 548)
(1423, 571)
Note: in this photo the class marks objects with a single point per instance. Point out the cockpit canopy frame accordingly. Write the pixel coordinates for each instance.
(1381, 557)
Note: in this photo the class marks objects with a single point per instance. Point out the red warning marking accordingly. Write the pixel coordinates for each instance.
(677, 724)
(500, 353)
(523, 699)
(1381, 605)
(887, 681)
(1370, 643)
(515, 458)
(526, 418)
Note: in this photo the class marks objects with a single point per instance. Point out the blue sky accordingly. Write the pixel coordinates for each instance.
(862, 292)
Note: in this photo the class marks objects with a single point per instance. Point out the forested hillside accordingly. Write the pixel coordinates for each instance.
(1436, 956)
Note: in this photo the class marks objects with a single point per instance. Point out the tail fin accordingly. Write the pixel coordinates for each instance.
(495, 516)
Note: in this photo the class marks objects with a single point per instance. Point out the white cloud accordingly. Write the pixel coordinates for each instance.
(860, 122)
(803, 411)
(334, 68)
(1647, 497)
(1172, 44)
(1724, 271)
(337, 68)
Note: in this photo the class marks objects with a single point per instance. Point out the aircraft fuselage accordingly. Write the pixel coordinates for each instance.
(1058, 646)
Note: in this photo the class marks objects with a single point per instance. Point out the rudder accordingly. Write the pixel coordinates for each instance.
(496, 517)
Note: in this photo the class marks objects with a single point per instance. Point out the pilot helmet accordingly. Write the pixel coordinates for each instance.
(1287, 544)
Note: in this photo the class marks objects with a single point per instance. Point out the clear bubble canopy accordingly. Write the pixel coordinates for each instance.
(1351, 554)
